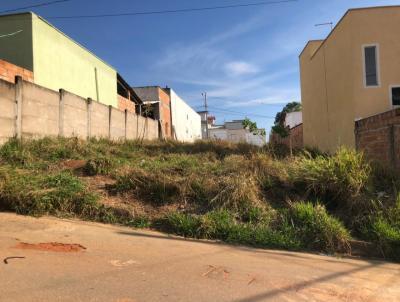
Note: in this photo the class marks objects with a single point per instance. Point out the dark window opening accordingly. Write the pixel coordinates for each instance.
(371, 69)
(396, 96)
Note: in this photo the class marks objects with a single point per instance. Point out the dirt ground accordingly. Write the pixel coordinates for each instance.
(49, 259)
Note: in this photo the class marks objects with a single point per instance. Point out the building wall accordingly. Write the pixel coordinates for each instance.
(332, 80)
(326, 83)
(17, 49)
(370, 26)
(378, 137)
(33, 111)
(125, 104)
(59, 62)
(185, 121)
(255, 139)
(293, 119)
(236, 136)
(9, 71)
(165, 112)
(218, 134)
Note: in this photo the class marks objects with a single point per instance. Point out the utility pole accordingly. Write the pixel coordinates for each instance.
(204, 94)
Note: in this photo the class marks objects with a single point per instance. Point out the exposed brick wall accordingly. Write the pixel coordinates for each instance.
(125, 104)
(9, 71)
(295, 138)
(378, 137)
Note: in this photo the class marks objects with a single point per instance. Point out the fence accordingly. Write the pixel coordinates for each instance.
(378, 137)
(32, 111)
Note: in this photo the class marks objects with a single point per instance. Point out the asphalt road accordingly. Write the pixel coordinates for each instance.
(125, 265)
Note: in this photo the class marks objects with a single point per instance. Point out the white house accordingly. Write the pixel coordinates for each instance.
(186, 122)
(293, 119)
(236, 133)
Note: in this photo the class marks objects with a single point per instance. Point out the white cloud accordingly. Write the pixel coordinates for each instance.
(271, 97)
(238, 68)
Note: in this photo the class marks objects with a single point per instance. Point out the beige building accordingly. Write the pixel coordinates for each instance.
(352, 74)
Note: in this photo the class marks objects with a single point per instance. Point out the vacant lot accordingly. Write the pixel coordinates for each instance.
(235, 193)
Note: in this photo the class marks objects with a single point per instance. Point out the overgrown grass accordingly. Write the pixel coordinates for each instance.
(212, 190)
(339, 177)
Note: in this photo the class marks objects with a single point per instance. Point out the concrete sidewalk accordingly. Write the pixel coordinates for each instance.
(125, 265)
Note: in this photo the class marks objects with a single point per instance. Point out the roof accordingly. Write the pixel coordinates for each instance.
(341, 20)
(65, 35)
(308, 43)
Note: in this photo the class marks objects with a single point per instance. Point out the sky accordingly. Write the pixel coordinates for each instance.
(246, 59)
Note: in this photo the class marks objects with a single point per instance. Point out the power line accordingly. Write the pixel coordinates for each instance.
(220, 110)
(34, 6)
(184, 10)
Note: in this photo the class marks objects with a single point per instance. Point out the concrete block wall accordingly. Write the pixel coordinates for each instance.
(8, 111)
(117, 125)
(131, 126)
(73, 115)
(99, 114)
(378, 137)
(31, 111)
(40, 111)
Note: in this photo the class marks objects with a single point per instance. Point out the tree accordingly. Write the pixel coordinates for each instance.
(279, 125)
(252, 127)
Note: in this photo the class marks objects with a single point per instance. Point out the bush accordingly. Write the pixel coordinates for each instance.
(238, 193)
(222, 225)
(99, 166)
(318, 230)
(34, 194)
(383, 228)
(342, 176)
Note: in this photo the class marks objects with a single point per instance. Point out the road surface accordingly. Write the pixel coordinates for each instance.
(117, 264)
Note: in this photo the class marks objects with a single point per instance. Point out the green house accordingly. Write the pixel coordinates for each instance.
(57, 61)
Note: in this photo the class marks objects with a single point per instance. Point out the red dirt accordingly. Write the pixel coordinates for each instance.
(51, 247)
(74, 164)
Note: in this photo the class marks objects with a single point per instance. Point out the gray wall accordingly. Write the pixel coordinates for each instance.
(32, 111)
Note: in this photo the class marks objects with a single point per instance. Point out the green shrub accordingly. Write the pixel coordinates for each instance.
(35, 194)
(341, 176)
(99, 166)
(14, 153)
(383, 228)
(316, 229)
(182, 224)
(223, 225)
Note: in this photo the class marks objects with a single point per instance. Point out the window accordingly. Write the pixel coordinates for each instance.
(395, 94)
(371, 67)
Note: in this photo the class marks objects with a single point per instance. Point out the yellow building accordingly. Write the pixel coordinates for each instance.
(352, 74)
(59, 62)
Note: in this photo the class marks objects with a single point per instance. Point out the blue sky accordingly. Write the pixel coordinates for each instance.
(245, 58)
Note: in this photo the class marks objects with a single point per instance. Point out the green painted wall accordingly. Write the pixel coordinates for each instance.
(59, 62)
(17, 49)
